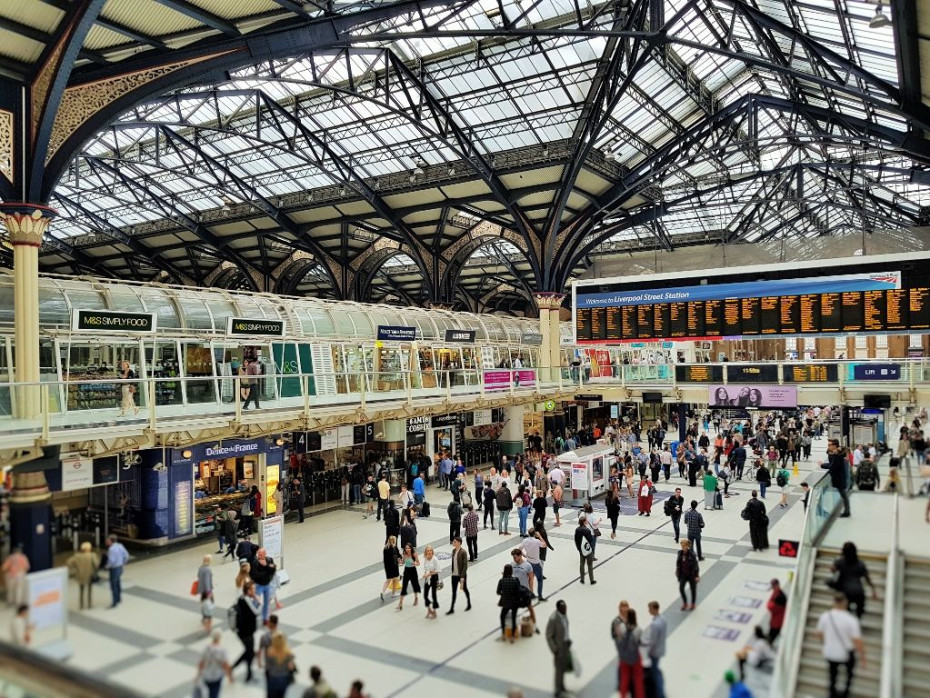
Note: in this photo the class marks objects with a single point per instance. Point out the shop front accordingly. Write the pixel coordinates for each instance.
(324, 457)
(416, 449)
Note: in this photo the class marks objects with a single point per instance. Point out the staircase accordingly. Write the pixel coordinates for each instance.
(813, 680)
(916, 628)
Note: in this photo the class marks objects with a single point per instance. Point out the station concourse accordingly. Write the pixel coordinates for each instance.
(255, 253)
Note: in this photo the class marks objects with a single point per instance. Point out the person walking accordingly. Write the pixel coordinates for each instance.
(384, 494)
(300, 493)
(838, 465)
(391, 520)
(479, 488)
(584, 542)
(781, 479)
(470, 524)
(205, 589)
(627, 639)
(117, 557)
(214, 665)
(656, 635)
(253, 370)
(557, 637)
(279, 667)
(15, 568)
(410, 561)
(230, 533)
(688, 573)
(764, 478)
(248, 609)
(776, 605)
(710, 489)
(557, 499)
(694, 521)
(459, 574)
(594, 523)
(532, 547)
(841, 634)
(454, 511)
(504, 505)
(83, 566)
(540, 505)
(431, 576)
(737, 460)
(848, 574)
(674, 508)
(755, 514)
(128, 390)
(508, 589)
(522, 501)
(391, 561)
(490, 496)
(612, 502)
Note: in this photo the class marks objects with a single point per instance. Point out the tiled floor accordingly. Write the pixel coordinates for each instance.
(333, 616)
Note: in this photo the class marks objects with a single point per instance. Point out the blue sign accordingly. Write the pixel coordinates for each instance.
(216, 450)
(872, 281)
(396, 333)
(877, 372)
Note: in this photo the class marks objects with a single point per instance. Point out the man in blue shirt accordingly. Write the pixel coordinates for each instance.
(445, 470)
(419, 491)
(117, 557)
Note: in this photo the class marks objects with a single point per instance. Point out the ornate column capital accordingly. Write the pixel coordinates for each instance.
(26, 223)
(547, 300)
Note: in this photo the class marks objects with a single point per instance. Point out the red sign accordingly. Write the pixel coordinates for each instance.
(788, 548)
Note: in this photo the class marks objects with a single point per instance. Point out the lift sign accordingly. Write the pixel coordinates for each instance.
(111, 321)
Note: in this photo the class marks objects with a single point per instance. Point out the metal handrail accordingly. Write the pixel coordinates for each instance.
(893, 613)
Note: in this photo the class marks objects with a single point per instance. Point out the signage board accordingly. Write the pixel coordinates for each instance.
(272, 476)
(363, 433)
(396, 333)
(500, 379)
(810, 373)
(788, 548)
(345, 436)
(589, 397)
(444, 420)
(272, 537)
(417, 424)
(48, 612)
(460, 336)
(699, 373)
(329, 439)
(482, 418)
(112, 321)
(77, 473)
(241, 326)
(877, 372)
(579, 476)
(752, 396)
(752, 373)
(106, 470)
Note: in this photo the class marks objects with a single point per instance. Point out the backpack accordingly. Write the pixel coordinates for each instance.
(669, 507)
(781, 480)
(866, 476)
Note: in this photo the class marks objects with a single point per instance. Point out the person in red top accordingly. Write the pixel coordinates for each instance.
(256, 497)
(644, 502)
(777, 604)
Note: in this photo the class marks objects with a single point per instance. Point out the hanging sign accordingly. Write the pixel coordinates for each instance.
(238, 326)
(77, 473)
(417, 424)
(460, 336)
(329, 439)
(112, 321)
(482, 418)
(396, 333)
(445, 420)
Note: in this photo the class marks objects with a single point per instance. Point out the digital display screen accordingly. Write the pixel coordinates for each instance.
(752, 373)
(810, 373)
(868, 302)
(699, 373)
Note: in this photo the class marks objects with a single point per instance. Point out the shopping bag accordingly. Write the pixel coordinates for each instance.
(195, 587)
(395, 585)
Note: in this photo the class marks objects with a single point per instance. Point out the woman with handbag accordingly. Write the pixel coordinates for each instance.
(410, 562)
(279, 667)
(613, 510)
(594, 523)
(430, 580)
(391, 561)
(508, 588)
(646, 490)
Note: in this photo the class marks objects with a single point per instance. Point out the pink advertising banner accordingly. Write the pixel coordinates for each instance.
(769, 396)
(500, 379)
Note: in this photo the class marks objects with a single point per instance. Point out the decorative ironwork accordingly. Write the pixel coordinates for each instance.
(7, 140)
(26, 223)
(43, 82)
(81, 102)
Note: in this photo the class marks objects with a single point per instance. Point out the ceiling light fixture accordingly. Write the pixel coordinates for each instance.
(879, 20)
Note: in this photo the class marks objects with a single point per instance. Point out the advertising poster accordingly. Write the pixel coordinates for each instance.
(579, 476)
(763, 396)
(272, 476)
(329, 439)
(273, 537)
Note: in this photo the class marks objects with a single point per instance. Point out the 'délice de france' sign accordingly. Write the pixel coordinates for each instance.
(111, 321)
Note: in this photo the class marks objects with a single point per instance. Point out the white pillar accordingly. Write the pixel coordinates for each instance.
(511, 439)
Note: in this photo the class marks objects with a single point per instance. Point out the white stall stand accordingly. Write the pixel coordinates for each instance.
(586, 471)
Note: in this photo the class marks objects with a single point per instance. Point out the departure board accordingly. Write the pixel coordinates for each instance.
(699, 373)
(713, 321)
(731, 318)
(790, 314)
(628, 318)
(769, 320)
(752, 373)
(749, 310)
(867, 301)
(852, 311)
(644, 321)
(831, 319)
(810, 373)
(919, 310)
(809, 313)
(583, 324)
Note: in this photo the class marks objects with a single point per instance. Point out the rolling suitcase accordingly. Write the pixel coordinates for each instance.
(424, 510)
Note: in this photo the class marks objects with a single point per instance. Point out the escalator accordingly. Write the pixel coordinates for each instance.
(812, 676)
(916, 628)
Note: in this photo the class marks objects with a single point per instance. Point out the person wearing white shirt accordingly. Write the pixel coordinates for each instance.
(857, 456)
(431, 580)
(756, 653)
(842, 641)
(556, 475)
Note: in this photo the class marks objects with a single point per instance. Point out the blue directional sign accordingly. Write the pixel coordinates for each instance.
(877, 372)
